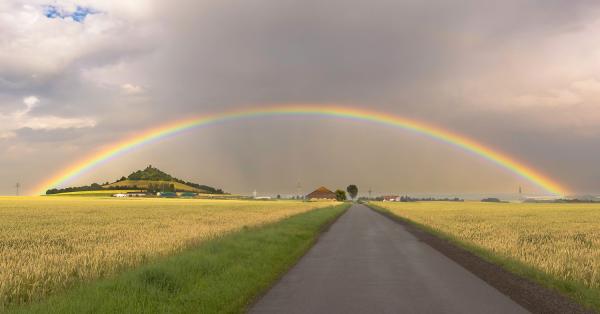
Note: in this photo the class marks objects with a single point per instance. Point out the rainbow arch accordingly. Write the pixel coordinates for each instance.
(174, 128)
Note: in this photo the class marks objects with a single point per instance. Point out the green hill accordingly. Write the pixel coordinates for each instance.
(151, 179)
(155, 174)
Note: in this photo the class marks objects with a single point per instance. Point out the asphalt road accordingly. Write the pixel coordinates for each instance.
(367, 263)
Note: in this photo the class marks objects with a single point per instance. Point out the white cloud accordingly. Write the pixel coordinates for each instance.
(33, 46)
(19, 119)
(52, 123)
(30, 101)
(132, 89)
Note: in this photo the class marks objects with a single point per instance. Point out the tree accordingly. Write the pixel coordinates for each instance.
(340, 195)
(352, 191)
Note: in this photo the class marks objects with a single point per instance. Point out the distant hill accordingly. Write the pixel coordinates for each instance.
(151, 179)
(155, 174)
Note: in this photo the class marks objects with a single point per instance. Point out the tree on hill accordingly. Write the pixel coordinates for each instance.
(352, 191)
(150, 174)
(340, 195)
(154, 188)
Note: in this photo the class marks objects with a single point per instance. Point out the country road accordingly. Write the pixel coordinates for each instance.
(367, 263)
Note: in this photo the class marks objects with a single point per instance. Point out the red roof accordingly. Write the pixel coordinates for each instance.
(321, 193)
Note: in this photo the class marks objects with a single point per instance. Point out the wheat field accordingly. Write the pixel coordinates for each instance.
(561, 240)
(50, 243)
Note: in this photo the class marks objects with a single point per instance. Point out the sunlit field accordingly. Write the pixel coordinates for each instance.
(49, 243)
(558, 240)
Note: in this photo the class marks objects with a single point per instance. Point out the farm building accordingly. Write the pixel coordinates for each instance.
(136, 194)
(391, 198)
(130, 194)
(321, 193)
(188, 194)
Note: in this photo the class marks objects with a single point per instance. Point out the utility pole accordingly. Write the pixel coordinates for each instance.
(299, 190)
(370, 193)
(18, 186)
(520, 193)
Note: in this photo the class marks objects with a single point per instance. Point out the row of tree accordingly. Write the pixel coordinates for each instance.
(92, 187)
(407, 198)
(352, 190)
(154, 188)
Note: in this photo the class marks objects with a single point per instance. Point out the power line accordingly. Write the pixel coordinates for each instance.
(298, 190)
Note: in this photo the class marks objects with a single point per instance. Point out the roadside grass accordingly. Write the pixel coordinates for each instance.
(577, 291)
(222, 275)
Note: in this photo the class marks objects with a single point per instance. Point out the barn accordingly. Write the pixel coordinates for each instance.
(321, 193)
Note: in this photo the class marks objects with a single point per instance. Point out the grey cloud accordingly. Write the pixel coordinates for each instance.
(460, 65)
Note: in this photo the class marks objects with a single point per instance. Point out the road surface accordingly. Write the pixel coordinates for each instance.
(367, 263)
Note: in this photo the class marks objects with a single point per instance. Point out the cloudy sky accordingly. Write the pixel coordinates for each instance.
(520, 76)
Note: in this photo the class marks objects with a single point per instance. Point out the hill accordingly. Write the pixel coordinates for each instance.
(155, 174)
(151, 179)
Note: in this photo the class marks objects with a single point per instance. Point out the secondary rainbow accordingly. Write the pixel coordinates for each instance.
(174, 128)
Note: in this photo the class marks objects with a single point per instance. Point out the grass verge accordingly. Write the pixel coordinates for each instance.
(223, 275)
(579, 293)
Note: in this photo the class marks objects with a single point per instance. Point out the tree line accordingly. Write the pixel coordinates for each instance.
(84, 188)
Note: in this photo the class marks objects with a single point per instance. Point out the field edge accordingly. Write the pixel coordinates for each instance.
(217, 264)
(535, 290)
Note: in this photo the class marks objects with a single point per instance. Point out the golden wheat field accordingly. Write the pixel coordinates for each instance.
(48, 243)
(562, 240)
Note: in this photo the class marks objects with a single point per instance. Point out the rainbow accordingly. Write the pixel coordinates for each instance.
(177, 127)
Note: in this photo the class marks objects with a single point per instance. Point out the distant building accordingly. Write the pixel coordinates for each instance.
(321, 193)
(167, 194)
(188, 194)
(136, 194)
(391, 198)
(262, 198)
(130, 194)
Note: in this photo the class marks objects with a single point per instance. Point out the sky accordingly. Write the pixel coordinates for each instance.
(522, 77)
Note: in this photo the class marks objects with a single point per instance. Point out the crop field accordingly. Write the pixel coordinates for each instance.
(50, 243)
(556, 244)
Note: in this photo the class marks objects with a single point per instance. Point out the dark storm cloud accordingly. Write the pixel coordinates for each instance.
(353, 51)
(470, 66)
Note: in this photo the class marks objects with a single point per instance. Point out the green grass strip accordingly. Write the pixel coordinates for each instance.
(223, 275)
(578, 292)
